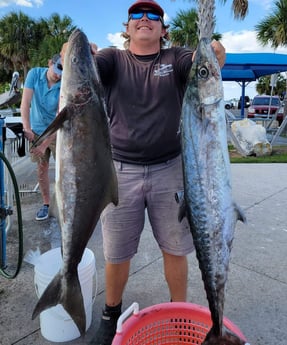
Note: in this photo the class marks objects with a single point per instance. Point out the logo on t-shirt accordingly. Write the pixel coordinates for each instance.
(162, 70)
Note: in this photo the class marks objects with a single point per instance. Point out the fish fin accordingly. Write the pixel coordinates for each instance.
(69, 297)
(53, 127)
(240, 214)
(181, 212)
(179, 198)
(48, 299)
(227, 338)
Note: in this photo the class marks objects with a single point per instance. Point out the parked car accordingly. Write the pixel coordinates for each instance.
(261, 107)
(228, 104)
(246, 102)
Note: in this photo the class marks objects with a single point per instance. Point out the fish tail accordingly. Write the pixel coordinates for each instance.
(68, 293)
(227, 338)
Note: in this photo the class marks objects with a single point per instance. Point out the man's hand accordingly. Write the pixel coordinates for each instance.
(39, 151)
(219, 51)
(29, 135)
(94, 48)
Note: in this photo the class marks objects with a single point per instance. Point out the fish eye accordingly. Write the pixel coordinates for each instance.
(203, 72)
(74, 60)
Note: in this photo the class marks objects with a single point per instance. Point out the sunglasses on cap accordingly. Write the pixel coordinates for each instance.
(135, 15)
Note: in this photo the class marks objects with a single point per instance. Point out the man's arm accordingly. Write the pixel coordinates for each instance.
(25, 112)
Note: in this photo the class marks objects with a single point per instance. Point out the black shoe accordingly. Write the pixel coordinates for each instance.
(107, 329)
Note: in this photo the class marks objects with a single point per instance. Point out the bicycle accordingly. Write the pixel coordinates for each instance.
(11, 226)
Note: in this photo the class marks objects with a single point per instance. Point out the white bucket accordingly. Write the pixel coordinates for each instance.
(56, 324)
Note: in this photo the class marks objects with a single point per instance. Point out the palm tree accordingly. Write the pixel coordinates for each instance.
(184, 29)
(273, 29)
(60, 26)
(54, 31)
(239, 7)
(25, 43)
(263, 85)
(16, 39)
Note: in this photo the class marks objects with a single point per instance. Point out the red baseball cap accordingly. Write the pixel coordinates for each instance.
(148, 3)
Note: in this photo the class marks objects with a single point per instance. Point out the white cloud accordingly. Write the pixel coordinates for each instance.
(166, 18)
(23, 3)
(116, 40)
(245, 42)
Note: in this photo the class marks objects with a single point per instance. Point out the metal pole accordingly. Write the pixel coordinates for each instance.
(2, 202)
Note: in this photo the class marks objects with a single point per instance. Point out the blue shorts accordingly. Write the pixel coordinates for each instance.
(148, 188)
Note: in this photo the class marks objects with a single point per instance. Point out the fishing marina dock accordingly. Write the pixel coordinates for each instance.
(256, 297)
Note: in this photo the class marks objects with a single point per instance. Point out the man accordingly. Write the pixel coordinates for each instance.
(144, 88)
(39, 106)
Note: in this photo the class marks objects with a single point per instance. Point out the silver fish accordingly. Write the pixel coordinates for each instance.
(85, 177)
(208, 201)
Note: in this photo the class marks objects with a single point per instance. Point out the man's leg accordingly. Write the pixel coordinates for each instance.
(176, 272)
(44, 182)
(116, 279)
(44, 185)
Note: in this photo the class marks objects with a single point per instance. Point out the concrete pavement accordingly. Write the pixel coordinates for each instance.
(256, 299)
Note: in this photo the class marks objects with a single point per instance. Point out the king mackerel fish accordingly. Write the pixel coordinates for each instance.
(208, 202)
(85, 176)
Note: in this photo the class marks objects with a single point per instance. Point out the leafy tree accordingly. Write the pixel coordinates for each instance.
(183, 31)
(25, 43)
(273, 29)
(16, 40)
(263, 85)
(184, 28)
(55, 31)
(239, 8)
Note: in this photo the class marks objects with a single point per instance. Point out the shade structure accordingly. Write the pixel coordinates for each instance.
(247, 67)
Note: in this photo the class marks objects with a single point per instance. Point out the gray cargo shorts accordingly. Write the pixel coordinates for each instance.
(146, 189)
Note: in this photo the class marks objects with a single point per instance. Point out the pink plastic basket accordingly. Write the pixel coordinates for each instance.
(166, 323)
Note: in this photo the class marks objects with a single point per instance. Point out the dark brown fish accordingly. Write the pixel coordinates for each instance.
(85, 176)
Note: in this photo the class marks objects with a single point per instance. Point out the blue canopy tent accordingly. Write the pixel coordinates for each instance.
(247, 67)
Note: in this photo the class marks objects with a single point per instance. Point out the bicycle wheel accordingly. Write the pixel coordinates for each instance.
(11, 226)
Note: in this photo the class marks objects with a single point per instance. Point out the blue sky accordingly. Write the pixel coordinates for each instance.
(102, 21)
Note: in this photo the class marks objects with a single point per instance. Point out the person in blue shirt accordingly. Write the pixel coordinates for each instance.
(39, 106)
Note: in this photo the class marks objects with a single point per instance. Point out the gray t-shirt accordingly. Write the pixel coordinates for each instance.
(144, 98)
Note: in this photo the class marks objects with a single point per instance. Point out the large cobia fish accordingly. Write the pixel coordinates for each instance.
(85, 176)
(208, 202)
